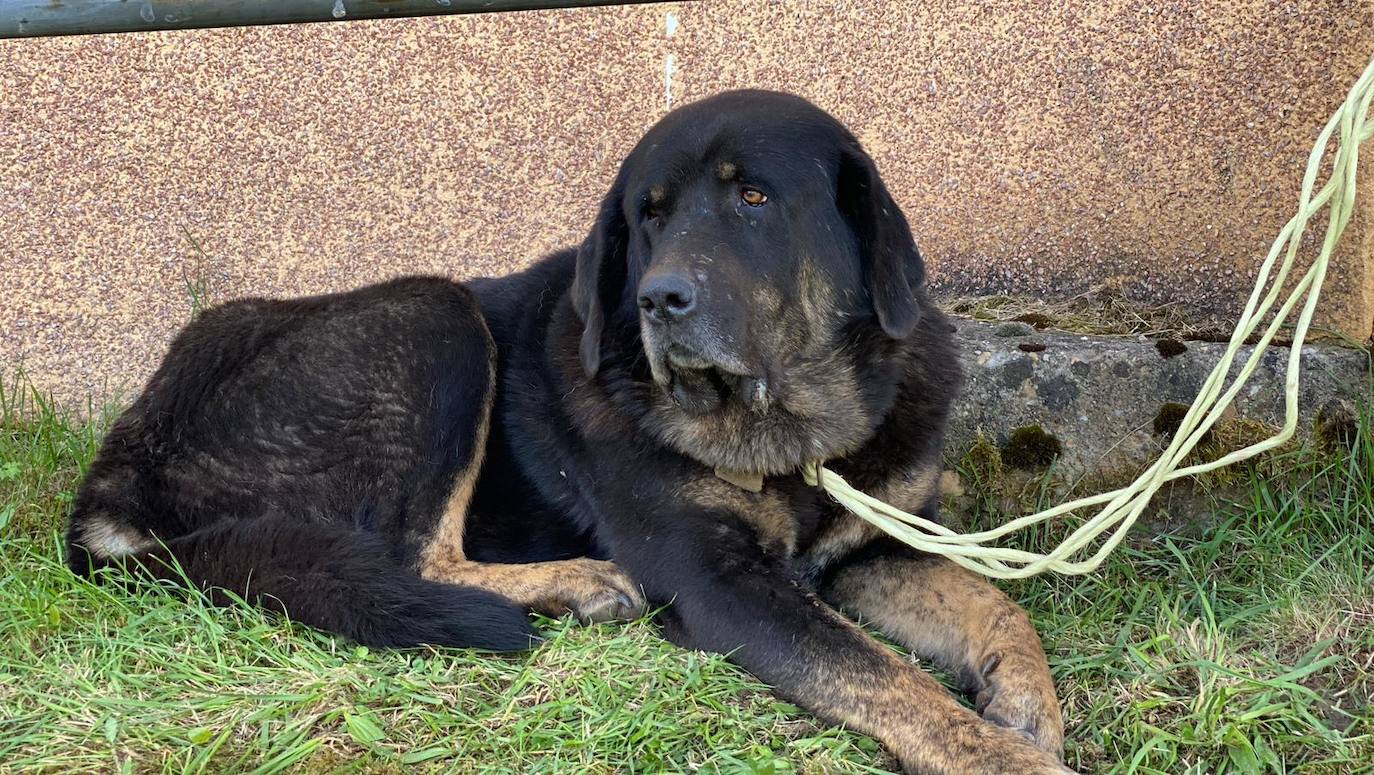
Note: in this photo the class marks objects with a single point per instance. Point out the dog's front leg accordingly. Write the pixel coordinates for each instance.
(727, 595)
(965, 625)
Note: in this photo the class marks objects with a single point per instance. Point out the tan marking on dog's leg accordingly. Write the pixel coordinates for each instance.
(593, 590)
(446, 545)
(964, 624)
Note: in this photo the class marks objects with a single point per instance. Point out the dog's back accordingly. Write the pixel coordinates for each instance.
(299, 453)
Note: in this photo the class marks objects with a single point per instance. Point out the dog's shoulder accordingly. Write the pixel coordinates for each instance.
(517, 306)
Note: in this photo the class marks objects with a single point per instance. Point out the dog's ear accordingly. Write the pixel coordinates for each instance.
(892, 265)
(600, 276)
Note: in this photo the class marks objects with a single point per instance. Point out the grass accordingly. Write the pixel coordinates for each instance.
(1246, 645)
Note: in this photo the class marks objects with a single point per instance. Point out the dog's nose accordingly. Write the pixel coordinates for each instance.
(667, 296)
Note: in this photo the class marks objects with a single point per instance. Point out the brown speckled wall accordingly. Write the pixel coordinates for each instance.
(1038, 147)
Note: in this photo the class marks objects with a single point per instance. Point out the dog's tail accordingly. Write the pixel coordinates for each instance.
(337, 579)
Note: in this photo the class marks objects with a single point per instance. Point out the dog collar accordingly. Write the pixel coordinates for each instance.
(753, 482)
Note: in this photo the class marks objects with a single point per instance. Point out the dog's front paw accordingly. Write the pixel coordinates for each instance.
(1016, 692)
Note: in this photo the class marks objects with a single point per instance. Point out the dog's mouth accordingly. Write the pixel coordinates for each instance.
(701, 385)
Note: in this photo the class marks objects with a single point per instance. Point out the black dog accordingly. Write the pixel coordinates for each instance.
(415, 462)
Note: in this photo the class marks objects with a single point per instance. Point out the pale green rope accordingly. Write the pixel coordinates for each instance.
(1125, 505)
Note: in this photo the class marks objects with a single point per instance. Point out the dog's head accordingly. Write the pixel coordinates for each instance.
(750, 244)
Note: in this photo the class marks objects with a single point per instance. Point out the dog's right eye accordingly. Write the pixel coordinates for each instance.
(652, 202)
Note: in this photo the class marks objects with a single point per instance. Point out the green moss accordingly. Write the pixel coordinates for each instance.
(980, 471)
(982, 463)
(1030, 446)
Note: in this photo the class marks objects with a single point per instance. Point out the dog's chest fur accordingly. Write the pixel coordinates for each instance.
(795, 522)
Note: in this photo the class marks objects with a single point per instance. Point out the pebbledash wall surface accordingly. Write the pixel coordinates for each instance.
(1039, 148)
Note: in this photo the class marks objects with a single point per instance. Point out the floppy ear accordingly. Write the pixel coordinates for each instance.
(892, 266)
(600, 277)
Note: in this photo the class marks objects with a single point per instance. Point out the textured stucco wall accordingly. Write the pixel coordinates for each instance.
(1038, 148)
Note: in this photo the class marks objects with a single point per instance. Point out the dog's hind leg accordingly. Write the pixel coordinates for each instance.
(962, 623)
(593, 590)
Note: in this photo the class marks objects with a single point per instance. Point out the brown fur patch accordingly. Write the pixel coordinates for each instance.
(909, 491)
(844, 534)
(766, 511)
(964, 624)
(726, 171)
(767, 302)
(817, 298)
